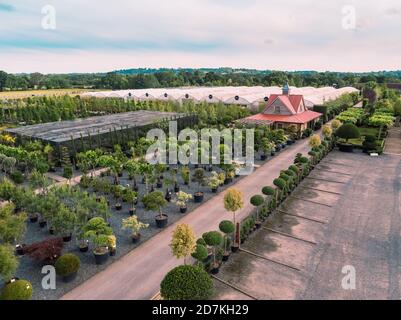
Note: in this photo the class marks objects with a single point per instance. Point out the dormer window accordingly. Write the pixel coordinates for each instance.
(277, 109)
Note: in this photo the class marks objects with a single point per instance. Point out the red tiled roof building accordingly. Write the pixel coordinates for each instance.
(283, 110)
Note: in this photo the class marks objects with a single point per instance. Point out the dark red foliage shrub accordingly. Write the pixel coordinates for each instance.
(47, 251)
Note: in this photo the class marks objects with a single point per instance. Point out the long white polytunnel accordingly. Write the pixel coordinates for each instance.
(246, 96)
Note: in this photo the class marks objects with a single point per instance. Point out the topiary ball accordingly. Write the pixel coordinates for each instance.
(67, 264)
(187, 283)
(268, 191)
(227, 227)
(200, 253)
(280, 183)
(257, 200)
(348, 131)
(17, 290)
(201, 241)
(213, 238)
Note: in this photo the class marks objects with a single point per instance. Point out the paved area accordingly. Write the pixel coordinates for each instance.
(138, 274)
(393, 141)
(346, 214)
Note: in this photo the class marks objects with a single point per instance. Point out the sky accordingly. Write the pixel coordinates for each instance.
(99, 36)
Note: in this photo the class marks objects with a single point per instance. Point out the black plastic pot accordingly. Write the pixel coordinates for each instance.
(263, 157)
(198, 197)
(168, 195)
(119, 206)
(131, 212)
(234, 248)
(215, 269)
(258, 224)
(228, 180)
(83, 248)
(33, 218)
(176, 188)
(346, 147)
(183, 209)
(214, 190)
(159, 184)
(101, 257)
(19, 249)
(112, 252)
(51, 230)
(67, 238)
(135, 187)
(120, 174)
(273, 153)
(42, 223)
(226, 256)
(71, 277)
(161, 221)
(136, 237)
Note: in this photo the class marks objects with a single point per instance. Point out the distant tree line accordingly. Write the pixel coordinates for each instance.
(158, 78)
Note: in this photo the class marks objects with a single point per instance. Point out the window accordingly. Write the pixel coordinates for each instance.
(276, 109)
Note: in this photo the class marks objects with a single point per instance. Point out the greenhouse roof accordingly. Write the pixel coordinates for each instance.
(66, 130)
(227, 95)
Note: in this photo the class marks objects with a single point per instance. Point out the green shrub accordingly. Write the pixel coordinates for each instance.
(348, 131)
(8, 262)
(201, 241)
(200, 252)
(186, 283)
(17, 290)
(17, 177)
(227, 227)
(67, 172)
(257, 200)
(268, 191)
(213, 238)
(280, 183)
(67, 264)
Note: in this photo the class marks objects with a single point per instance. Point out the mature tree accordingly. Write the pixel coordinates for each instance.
(233, 201)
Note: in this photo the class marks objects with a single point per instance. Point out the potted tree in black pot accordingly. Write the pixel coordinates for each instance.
(64, 222)
(155, 201)
(233, 201)
(98, 231)
(228, 228)
(199, 178)
(257, 201)
(67, 267)
(130, 196)
(181, 201)
(118, 193)
(214, 182)
(134, 225)
(347, 131)
(213, 239)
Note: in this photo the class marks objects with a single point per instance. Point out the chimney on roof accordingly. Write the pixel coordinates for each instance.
(286, 89)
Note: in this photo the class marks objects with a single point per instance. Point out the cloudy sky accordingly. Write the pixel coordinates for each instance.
(104, 35)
